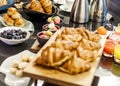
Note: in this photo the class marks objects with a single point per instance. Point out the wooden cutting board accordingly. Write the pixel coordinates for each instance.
(60, 78)
(56, 76)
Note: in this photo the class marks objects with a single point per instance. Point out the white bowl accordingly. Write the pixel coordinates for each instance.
(14, 41)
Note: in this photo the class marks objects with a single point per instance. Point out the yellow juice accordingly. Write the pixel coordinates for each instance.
(117, 52)
(118, 27)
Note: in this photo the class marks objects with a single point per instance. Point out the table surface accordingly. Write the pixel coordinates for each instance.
(103, 76)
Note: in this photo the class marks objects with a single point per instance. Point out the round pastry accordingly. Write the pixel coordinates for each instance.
(15, 15)
(19, 22)
(10, 22)
(25, 57)
(13, 70)
(11, 11)
(15, 64)
(19, 73)
(5, 17)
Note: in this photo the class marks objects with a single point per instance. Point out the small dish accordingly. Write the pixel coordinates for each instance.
(11, 79)
(52, 28)
(43, 37)
(14, 41)
(5, 7)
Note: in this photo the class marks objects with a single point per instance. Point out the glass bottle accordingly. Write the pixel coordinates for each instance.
(80, 11)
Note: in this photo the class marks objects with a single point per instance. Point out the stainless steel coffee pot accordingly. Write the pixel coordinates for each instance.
(80, 11)
(98, 10)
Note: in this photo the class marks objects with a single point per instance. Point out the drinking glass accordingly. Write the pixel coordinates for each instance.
(117, 53)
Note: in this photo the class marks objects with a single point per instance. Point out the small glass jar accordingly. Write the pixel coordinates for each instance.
(106, 62)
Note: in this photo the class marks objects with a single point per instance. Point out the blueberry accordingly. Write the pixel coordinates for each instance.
(13, 34)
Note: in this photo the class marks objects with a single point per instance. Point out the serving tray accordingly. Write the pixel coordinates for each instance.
(60, 78)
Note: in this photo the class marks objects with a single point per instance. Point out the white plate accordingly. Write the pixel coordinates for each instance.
(11, 79)
(28, 25)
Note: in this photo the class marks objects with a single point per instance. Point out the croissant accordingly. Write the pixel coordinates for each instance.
(35, 5)
(89, 45)
(53, 57)
(75, 65)
(87, 55)
(38, 8)
(47, 5)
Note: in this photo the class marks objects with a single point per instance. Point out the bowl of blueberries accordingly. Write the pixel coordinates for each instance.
(13, 35)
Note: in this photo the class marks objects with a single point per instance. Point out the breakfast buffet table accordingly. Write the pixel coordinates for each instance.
(104, 76)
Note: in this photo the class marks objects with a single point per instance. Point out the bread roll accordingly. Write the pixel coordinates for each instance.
(22, 65)
(19, 22)
(5, 17)
(11, 11)
(16, 15)
(13, 70)
(19, 73)
(10, 22)
(15, 64)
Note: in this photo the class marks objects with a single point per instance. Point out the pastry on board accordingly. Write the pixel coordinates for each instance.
(75, 65)
(52, 58)
(72, 51)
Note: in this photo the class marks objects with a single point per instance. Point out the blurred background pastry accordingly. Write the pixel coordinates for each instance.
(44, 6)
(47, 5)
(35, 5)
(13, 18)
(3, 2)
(11, 11)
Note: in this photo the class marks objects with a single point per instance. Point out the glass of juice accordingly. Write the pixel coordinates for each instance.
(115, 69)
(117, 53)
